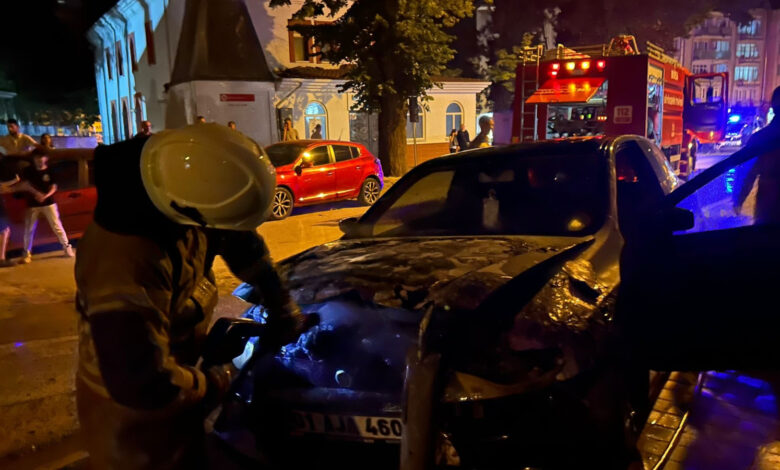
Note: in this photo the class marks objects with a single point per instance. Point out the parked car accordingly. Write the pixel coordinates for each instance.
(469, 312)
(315, 171)
(76, 197)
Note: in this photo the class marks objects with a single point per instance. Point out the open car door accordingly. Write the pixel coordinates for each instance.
(700, 276)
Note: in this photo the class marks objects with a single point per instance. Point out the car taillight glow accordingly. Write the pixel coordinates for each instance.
(553, 73)
(601, 64)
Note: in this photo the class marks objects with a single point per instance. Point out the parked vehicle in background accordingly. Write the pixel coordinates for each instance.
(76, 197)
(315, 171)
(738, 130)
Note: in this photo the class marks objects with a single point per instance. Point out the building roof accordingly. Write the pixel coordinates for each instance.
(219, 42)
(341, 73)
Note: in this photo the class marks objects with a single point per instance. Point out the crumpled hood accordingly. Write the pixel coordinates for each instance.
(408, 272)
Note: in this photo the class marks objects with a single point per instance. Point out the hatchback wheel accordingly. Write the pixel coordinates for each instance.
(282, 204)
(369, 192)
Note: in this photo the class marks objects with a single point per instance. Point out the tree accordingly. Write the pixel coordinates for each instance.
(395, 48)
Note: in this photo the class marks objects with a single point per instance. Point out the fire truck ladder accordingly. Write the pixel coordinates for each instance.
(529, 83)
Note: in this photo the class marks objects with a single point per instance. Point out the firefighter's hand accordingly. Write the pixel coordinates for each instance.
(219, 379)
(285, 329)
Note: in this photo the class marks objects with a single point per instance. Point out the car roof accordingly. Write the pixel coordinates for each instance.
(308, 142)
(589, 145)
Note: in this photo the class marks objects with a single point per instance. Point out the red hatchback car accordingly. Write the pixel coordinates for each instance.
(315, 171)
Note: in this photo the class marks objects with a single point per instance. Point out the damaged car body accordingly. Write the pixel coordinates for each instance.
(467, 319)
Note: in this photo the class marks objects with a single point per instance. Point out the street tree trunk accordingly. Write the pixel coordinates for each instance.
(392, 135)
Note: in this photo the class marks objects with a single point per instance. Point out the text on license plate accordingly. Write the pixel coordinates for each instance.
(361, 427)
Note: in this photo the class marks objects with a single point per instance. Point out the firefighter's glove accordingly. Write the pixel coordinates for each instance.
(219, 379)
(285, 329)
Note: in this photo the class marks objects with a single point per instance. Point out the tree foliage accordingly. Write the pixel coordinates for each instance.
(396, 48)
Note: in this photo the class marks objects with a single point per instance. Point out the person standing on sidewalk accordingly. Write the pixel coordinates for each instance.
(40, 187)
(483, 138)
(454, 140)
(289, 132)
(16, 142)
(463, 137)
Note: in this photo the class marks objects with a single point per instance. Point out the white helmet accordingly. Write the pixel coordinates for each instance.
(208, 175)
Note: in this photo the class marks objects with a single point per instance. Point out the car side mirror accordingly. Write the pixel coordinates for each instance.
(349, 226)
(299, 169)
(678, 219)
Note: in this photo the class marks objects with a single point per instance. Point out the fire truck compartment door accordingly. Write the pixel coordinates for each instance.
(566, 90)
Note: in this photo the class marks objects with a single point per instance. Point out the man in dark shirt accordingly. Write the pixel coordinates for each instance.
(40, 201)
(463, 137)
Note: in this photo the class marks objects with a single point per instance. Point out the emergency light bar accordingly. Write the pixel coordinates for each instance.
(576, 67)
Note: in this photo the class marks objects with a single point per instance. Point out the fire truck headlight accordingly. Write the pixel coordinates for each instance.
(570, 65)
(585, 65)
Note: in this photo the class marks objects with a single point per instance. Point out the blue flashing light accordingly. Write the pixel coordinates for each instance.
(735, 118)
(18, 345)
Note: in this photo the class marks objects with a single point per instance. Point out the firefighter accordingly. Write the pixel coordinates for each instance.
(167, 205)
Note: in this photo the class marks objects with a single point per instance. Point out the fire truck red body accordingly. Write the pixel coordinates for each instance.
(614, 90)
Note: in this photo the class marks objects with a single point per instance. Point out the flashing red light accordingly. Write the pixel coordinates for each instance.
(556, 66)
(601, 64)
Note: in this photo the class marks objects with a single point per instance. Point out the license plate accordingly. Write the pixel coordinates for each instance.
(347, 426)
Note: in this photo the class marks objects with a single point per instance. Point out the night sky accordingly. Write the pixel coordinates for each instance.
(45, 50)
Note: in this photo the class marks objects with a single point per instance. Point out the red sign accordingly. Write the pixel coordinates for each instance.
(623, 115)
(232, 97)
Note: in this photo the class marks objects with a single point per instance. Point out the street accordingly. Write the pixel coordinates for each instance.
(38, 340)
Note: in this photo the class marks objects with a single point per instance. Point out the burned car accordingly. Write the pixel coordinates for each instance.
(466, 319)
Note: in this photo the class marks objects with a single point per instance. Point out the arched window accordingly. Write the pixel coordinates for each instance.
(454, 117)
(315, 114)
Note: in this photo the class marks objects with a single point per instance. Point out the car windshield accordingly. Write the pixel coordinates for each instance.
(501, 194)
(283, 154)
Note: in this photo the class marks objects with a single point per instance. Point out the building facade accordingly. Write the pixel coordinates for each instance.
(750, 53)
(169, 61)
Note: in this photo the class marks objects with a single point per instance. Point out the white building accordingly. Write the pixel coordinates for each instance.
(169, 61)
(750, 53)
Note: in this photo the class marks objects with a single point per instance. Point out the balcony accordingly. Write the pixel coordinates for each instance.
(705, 54)
(720, 31)
(747, 59)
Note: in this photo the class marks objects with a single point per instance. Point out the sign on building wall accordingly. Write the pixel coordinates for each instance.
(236, 97)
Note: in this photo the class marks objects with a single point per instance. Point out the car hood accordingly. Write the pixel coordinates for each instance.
(371, 295)
(407, 273)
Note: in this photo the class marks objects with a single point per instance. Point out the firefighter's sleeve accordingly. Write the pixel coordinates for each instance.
(128, 318)
(247, 256)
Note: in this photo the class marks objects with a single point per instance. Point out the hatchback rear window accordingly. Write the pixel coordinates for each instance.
(282, 154)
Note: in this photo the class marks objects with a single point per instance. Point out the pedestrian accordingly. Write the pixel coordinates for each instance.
(47, 141)
(146, 129)
(200, 120)
(146, 290)
(41, 186)
(766, 170)
(463, 137)
(483, 138)
(16, 142)
(317, 133)
(453, 140)
(232, 125)
(5, 226)
(289, 132)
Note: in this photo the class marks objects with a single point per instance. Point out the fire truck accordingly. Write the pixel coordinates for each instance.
(614, 89)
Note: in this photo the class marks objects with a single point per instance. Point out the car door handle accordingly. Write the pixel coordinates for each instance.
(74, 195)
